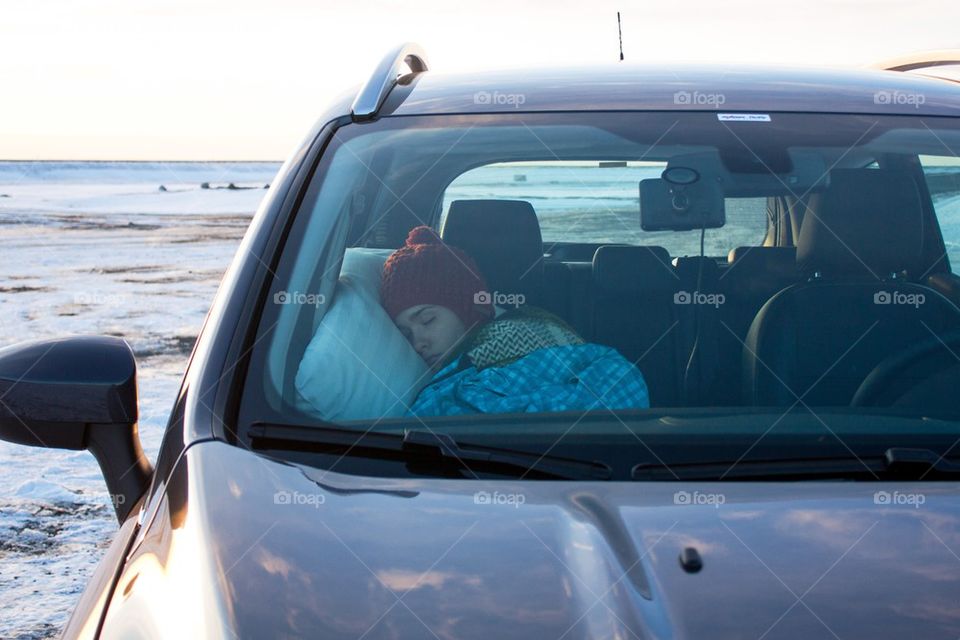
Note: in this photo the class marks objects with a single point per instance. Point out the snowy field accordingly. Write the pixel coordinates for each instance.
(99, 248)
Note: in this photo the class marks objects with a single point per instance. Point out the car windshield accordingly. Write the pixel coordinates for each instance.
(581, 265)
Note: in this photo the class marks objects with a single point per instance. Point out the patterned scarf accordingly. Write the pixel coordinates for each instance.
(516, 334)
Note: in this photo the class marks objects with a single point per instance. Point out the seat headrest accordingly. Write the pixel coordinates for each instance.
(869, 222)
(503, 237)
(618, 270)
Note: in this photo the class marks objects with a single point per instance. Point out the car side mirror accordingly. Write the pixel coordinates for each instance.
(78, 393)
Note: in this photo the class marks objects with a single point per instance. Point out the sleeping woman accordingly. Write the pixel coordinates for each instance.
(482, 361)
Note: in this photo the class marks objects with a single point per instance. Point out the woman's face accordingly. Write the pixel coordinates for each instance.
(433, 330)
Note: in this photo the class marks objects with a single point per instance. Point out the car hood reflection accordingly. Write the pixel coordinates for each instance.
(303, 552)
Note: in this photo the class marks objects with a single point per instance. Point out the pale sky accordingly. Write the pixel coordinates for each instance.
(204, 79)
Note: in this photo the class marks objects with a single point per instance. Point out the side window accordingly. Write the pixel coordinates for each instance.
(597, 201)
(943, 181)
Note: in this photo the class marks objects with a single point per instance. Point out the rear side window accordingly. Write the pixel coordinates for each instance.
(943, 181)
(598, 202)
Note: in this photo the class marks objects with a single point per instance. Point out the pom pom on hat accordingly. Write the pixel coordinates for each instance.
(422, 235)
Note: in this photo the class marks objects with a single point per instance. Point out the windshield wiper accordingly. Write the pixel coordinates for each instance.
(919, 463)
(426, 451)
(896, 463)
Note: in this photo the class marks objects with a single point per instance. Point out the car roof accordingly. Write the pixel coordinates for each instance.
(689, 87)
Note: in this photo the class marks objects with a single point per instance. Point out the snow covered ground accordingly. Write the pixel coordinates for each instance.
(97, 248)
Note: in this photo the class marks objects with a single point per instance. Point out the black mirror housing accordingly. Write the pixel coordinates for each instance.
(77, 393)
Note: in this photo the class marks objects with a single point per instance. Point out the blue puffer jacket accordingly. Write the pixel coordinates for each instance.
(529, 360)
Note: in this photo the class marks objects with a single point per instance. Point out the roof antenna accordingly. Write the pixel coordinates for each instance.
(620, 32)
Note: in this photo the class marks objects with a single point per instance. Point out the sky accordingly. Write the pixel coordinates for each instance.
(245, 80)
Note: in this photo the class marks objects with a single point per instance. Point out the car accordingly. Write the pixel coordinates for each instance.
(774, 249)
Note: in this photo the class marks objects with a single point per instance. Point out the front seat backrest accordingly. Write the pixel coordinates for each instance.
(819, 339)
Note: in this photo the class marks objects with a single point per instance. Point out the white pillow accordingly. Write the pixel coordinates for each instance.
(358, 365)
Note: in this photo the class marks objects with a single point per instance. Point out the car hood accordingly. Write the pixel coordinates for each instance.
(247, 546)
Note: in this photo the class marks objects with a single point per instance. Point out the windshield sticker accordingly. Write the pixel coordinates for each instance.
(743, 117)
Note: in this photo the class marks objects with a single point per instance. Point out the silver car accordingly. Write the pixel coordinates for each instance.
(774, 250)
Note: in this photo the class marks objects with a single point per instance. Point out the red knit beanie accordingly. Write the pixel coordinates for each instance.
(425, 270)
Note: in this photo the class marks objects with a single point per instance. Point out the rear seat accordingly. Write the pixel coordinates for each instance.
(503, 237)
(568, 292)
(639, 295)
(751, 278)
(701, 369)
(632, 298)
(634, 312)
(753, 275)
